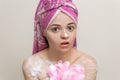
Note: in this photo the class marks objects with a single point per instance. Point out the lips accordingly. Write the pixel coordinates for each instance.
(64, 44)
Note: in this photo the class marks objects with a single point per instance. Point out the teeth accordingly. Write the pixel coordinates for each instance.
(65, 43)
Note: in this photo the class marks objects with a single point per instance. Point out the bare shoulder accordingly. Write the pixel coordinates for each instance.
(90, 65)
(90, 58)
(87, 58)
(28, 60)
(27, 63)
(31, 60)
(28, 67)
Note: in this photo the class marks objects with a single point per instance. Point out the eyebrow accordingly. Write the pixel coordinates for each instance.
(71, 23)
(54, 25)
(60, 25)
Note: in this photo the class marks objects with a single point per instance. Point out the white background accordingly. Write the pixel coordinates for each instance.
(98, 35)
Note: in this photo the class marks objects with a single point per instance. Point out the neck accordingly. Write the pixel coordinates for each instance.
(55, 55)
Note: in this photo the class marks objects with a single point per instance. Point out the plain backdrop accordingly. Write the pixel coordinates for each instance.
(98, 35)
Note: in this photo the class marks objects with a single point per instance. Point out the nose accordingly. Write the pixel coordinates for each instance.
(64, 35)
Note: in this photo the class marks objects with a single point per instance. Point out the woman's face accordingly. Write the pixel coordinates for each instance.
(61, 33)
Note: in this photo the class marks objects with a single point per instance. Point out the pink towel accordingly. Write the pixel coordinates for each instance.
(46, 11)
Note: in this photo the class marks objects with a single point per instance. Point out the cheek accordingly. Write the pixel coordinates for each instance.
(73, 38)
(73, 35)
(52, 38)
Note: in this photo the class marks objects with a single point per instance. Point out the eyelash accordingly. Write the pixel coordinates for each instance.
(70, 28)
(57, 29)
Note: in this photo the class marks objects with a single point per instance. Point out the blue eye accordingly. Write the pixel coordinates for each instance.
(55, 29)
(70, 28)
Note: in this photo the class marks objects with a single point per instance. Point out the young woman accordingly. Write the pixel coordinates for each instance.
(55, 56)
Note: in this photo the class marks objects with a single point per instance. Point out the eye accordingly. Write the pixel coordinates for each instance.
(55, 29)
(70, 28)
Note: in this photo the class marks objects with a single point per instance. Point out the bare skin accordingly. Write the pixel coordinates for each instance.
(60, 35)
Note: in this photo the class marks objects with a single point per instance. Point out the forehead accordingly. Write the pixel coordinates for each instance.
(62, 19)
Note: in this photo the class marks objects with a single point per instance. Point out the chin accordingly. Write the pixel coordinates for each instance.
(65, 50)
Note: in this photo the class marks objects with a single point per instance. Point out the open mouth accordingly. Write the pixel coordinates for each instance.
(65, 44)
